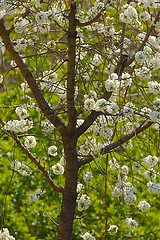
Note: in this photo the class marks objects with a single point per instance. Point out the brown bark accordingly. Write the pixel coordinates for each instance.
(70, 139)
(71, 69)
(70, 193)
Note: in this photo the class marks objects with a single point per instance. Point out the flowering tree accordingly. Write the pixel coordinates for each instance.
(80, 113)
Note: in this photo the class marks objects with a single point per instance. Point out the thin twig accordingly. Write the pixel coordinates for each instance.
(108, 148)
(78, 23)
(33, 159)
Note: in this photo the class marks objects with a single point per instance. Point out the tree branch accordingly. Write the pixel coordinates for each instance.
(126, 138)
(43, 105)
(116, 144)
(34, 160)
(85, 160)
(145, 40)
(78, 23)
(72, 116)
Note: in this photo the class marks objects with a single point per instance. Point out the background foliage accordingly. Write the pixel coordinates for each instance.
(29, 215)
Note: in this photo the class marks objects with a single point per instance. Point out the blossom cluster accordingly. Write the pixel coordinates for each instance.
(96, 8)
(150, 173)
(33, 197)
(83, 200)
(21, 168)
(88, 236)
(95, 67)
(129, 15)
(4, 234)
(18, 125)
(125, 189)
(131, 223)
(153, 187)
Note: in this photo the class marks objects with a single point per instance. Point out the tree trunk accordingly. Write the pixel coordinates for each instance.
(70, 191)
(69, 139)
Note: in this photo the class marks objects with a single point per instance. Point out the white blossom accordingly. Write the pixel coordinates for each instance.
(154, 116)
(143, 73)
(143, 206)
(100, 105)
(1, 78)
(21, 168)
(151, 161)
(97, 60)
(113, 229)
(140, 57)
(21, 112)
(150, 174)
(108, 30)
(113, 163)
(144, 16)
(19, 125)
(2, 46)
(20, 24)
(63, 160)
(32, 197)
(89, 104)
(129, 14)
(83, 202)
(112, 83)
(128, 110)
(42, 18)
(87, 177)
(117, 192)
(156, 61)
(131, 223)
(80, 122)
(58, 169)
(112, 108)
(4, 235)
(122, 175)
(96, 8)
(153, 187)
(88, 236)
(154, 87)
(126, 80)
(30, 142)
(20, 45)
(125, 189)
(47, 126)
(25, 87)
(129, 198)
(148, 52)
(124, 169)
(3, 8)
(110, 68)
(52, 151)
(80, 187)
(146, 3)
